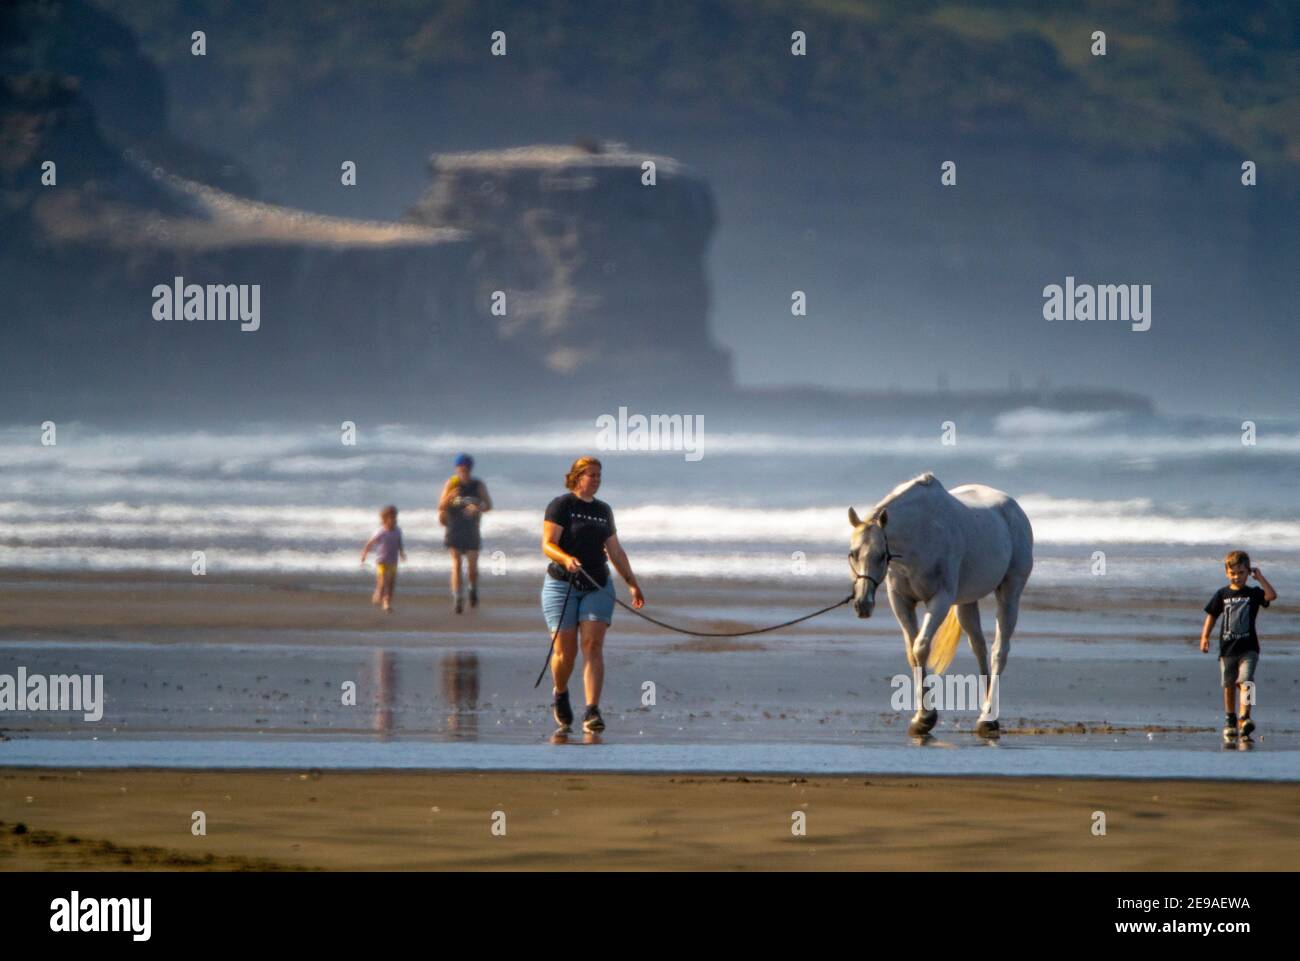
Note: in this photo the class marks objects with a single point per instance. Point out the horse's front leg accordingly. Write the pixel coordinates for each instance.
(905, 613)
(925, 718)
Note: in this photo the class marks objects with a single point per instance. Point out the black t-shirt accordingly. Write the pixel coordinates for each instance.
(467, 492)
(1237, 629)
(587, 525)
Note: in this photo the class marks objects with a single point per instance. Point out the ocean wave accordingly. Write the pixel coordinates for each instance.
(1056, 521)
(1037, 420)
(319, 452)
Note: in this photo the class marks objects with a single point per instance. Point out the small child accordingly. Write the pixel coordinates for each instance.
(1238, 642)
(387, 545)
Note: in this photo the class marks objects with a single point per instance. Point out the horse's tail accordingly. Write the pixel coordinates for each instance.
(943, 647)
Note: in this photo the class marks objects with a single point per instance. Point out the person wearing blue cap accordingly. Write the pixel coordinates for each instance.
(462, 505)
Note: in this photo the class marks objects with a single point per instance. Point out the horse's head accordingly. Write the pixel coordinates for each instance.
(868, 559)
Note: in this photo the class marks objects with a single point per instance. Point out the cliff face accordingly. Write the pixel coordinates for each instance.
(123, 87)
(603, 276)
(605, 292)
(604, 296)
(349, 312)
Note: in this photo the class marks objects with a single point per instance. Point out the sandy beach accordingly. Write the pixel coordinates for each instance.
(217, 689)
(140, 820)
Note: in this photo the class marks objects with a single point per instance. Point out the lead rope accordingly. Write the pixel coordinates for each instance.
(682, 630)
(555, 633)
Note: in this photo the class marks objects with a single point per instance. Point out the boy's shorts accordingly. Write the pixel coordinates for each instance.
(592, 605)
(1238, 669)
(387, 570)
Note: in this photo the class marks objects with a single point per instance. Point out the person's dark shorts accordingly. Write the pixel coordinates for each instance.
(1238, 669)
(462, 537)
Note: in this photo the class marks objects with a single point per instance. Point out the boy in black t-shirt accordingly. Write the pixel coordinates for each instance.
(1238, 643)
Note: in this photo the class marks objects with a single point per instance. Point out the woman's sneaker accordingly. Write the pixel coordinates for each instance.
(592, 722)
(562, 710)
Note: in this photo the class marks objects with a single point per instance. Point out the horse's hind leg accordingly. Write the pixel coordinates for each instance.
(968, 615)
(1008, 601)
(1008, 597)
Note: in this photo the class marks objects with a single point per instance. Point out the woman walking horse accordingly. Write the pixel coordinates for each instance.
(944, 550)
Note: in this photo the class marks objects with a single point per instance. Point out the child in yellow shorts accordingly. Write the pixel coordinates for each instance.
(387, 545)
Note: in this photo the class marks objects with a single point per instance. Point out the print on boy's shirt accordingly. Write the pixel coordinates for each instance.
(1238, 610)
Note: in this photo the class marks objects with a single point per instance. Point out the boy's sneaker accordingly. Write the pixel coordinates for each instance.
(592, 722)
(473, 597)
(460, 605)
(562, 710)
(1247, 726)
(1230, 726)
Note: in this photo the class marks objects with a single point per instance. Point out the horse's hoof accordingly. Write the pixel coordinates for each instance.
(988, 729)
(923, 723)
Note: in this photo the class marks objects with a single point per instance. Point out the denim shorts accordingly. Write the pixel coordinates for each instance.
(1238, 669)
(592, 605)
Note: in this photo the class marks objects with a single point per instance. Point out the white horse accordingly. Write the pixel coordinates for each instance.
(945, 550)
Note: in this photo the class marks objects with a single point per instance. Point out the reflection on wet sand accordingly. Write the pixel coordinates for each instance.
(385, 683)
(459, 671)
(569, 737)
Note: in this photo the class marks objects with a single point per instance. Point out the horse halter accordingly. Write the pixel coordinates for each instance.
(889, 556)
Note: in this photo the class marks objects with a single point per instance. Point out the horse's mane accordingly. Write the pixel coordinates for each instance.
(902, 490)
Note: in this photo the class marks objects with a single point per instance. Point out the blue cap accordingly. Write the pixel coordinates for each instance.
(464, 460)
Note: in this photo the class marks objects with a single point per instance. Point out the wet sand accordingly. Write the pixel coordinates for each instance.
(160, 608)
(266, 657)
(140, 820)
